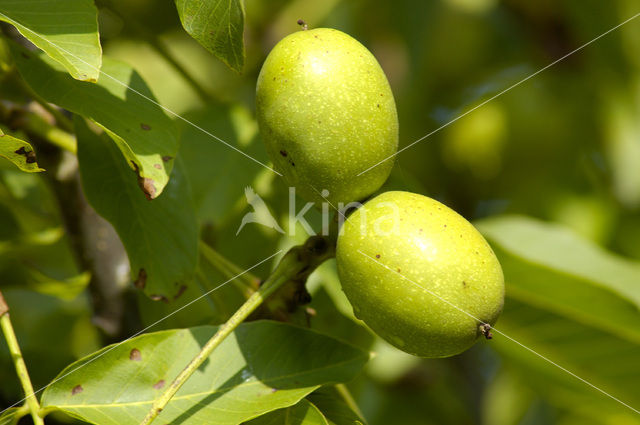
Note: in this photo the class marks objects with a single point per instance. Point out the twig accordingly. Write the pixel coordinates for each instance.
(348, 398)
(228, 268)
(18, 362)
(298, 261)
(160, 48)
(62, 121)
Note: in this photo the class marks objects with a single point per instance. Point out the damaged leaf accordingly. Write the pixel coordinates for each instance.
(160, 237)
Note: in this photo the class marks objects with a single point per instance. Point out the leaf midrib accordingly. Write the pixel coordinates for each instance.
(219, 390)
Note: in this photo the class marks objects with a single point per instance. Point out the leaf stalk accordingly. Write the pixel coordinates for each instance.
(18, 362)
(297, 262)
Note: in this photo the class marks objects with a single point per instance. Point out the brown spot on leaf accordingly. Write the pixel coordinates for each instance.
(145, 127)
(135, 355)
(464, 283)
(273, 390)
(283, 153)
(399, 270)
(30, 155)
(377, 255)
(141, 281)
(77, 390)
(156, 297)
(167, 158)
(157, 166)
(159, 384)
(146, 184)
(180, 292)
(24, 55)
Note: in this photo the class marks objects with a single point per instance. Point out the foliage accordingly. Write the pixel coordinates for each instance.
(122, 132)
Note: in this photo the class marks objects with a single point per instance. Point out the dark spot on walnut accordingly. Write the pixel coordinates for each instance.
(77, 390)
(167, 158)
(135, 355)
(283, 153)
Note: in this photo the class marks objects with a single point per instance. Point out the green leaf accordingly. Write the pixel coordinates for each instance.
(218, 25)
(261, 367)
(160, 237)
(66, 30)
(11, 416)
(52, 333)
(19, 152)
(217, 173)
(334, 408)
(574, 303)
(121, 103)
(548, 266)
(604, 360)
(301, 413)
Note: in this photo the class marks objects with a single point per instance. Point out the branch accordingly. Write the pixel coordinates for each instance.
(299, 261)
(18, 362)
(228, 268)
(160, 48)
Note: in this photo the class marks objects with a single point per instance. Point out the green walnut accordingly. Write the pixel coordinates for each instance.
(419, 274)
(326, 113)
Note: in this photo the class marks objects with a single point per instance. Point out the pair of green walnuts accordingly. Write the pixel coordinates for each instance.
(417, 273)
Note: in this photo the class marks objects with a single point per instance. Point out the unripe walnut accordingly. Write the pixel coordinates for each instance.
(419, 274)
(326, 113)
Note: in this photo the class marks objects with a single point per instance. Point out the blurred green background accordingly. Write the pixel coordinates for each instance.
(562, 147)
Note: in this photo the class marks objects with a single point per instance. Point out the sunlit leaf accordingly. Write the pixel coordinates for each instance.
(67, 31)
(161, 237)
(218, 25)
(548, 266)
(19, 152)
(261, 367)
(301, 413)
(121, 103)
(334, 408)
(573, 303)
(11, 416)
